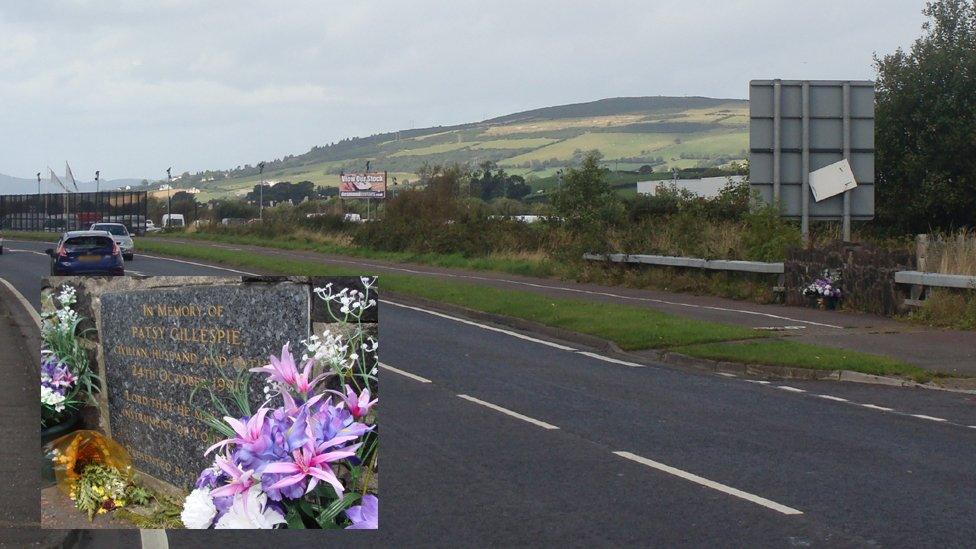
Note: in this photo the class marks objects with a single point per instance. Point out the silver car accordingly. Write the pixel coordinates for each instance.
(121, 237)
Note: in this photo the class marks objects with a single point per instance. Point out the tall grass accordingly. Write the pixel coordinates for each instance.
(952, 253)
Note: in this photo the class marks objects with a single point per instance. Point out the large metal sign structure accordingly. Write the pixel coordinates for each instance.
(800, 126)
(59, 212)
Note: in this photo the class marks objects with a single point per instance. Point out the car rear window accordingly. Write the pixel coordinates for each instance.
(88, 243)
(117, 230)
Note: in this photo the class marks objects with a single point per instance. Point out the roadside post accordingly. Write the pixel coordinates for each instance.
(169, 199)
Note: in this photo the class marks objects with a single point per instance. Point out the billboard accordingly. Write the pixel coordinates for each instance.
(362, 185)
(800, 126)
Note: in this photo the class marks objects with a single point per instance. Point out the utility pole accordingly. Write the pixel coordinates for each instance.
(38, 183)
(169, 198)
(261, 191)
(96, 180)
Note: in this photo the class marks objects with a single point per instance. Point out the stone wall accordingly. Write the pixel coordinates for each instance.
(867, 273)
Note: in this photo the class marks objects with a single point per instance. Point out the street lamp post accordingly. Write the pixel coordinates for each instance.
(96, 180)
(261, 192)
(169, 198)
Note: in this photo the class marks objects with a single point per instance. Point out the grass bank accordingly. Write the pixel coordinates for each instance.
(631, 328)
(513, 263)
(803, 355)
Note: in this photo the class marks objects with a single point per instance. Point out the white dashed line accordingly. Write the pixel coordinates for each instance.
(608, 359)
(790, 389)
(757, 381)
(880, 408)
(831, 397)
(508, 412)
(482, 326)
(726, 374)
(930, 418)
(711, 484)
(414, 377)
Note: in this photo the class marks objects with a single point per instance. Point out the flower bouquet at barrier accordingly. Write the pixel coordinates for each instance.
(825, 292)
(95, 472)
(67, 380)
(307, 456)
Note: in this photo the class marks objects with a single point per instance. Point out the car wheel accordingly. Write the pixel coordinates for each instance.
(130, 257)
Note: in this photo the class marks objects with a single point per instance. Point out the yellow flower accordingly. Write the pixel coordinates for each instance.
(101, 511)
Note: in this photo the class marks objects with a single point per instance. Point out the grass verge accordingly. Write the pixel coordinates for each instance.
(307, 241)
(804, 355)
(631, 328)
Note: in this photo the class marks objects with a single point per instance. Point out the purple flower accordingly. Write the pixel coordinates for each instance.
(284, 371)
(311, 463)
(251, 436)
(240, 480)
(365, 516)
(358, 405)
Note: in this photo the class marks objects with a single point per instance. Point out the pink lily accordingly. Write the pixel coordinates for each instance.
(241, 481)
(249, 433)
(358, 405)
(310, 462)
(284, 370)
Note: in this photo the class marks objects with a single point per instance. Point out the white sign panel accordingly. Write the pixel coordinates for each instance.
(832, 180)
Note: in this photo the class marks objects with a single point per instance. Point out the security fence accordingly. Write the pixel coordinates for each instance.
(73, 211)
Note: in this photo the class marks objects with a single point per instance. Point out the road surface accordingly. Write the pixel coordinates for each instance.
(495, 437)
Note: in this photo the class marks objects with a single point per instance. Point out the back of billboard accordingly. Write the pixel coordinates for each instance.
(800, 126)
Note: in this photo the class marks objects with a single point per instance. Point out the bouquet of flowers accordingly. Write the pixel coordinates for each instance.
(306, 455)
(67, 382)
(828, 285)
(58, 389)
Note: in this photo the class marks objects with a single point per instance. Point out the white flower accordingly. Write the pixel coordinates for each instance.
(250, 512)
(52, 398)
(198, 509)
(67, 296)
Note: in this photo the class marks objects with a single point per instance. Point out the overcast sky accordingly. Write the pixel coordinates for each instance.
(194, 85)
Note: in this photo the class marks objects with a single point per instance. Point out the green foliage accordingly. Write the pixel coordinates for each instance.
(926, 124)
(768, 236)
(100, 489)
(587, 204)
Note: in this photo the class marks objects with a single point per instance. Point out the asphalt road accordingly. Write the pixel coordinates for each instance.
(498, 438)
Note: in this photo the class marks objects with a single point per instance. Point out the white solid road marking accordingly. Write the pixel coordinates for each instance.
(508, 412)
(930, 418)
(26, 251)
(608, 359)
(482, 326)
(830, 397)
(414, 377)
(199, 264)
(791, 389)
(875, 407)
(711, 484)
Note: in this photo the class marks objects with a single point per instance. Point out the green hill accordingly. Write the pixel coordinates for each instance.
(663, 132)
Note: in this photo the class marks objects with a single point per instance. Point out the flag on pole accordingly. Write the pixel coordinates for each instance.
(56, 181)
(70, 176)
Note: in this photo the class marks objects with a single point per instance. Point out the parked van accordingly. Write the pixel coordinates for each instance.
(174, 221)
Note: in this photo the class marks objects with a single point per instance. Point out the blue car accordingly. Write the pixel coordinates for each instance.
(87, 253)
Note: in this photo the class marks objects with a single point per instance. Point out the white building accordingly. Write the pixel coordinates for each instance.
(706, 187)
